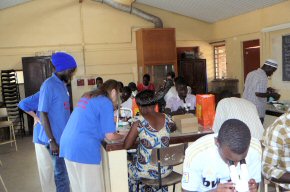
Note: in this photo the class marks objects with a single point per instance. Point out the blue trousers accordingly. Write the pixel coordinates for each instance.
(60, 173)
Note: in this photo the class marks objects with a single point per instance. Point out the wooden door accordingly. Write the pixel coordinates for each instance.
(194, 72)
(251, 52)
(35, 71)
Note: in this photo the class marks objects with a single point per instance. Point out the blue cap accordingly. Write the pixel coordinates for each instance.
(63, 61)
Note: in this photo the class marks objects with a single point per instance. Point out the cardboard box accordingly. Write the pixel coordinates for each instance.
(186, 123)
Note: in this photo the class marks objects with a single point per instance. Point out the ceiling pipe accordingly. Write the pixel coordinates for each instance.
(135, 11)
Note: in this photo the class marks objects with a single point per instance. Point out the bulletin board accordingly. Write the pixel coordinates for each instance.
(286, 57)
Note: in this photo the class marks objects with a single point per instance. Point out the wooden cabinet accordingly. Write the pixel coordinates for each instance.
(194, 72)
(156, 52)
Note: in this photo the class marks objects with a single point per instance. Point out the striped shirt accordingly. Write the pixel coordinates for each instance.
(204, 169)
(241, 109)
(276, 156)
(256, 82)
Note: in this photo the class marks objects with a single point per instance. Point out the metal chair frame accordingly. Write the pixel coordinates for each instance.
(4, 186)
(169, 156)
(7, 123)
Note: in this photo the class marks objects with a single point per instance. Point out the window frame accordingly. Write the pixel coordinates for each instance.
(215, 58)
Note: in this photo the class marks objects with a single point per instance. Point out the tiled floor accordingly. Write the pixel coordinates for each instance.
(19, 169)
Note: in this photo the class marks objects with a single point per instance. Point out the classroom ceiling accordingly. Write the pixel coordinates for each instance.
(10, 3)
(205, 10)
(210, 10)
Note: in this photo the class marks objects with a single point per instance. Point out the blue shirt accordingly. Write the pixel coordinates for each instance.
(90, 121)
(31, 104)
(54, 100)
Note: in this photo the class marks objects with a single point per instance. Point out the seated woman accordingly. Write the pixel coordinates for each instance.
(154, 132)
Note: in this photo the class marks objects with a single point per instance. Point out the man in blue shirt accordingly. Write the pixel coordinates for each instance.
(54, 108)
(44, 162)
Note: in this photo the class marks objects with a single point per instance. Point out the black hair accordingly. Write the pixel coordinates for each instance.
(236, 135)
(99, 79)
(127, 89)
(121, 86)
(146, 76)
(171, 74)
(104, 89)
(180, 81)
(132, 86)
(145, 98)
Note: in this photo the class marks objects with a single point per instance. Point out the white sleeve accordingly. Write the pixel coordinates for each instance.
(254, 161)
(191, 178)
(193, 102)
(169, 104)
(219, 117)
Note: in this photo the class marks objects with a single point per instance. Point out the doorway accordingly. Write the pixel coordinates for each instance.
(251, 53)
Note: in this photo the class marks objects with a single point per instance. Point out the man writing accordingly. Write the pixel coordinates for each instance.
(207, 160)
(183, 102)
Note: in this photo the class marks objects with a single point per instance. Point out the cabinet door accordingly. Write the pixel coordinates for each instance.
(194, 72)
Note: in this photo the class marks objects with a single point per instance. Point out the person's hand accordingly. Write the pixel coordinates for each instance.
(225, 187)
(54, 148)
(253, 185)
(181, 110)
(276, 96)
(36, 120)
(270, 90)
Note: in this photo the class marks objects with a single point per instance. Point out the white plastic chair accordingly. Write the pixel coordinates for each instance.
(7, 123)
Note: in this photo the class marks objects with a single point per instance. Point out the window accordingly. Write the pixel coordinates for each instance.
(220, 61)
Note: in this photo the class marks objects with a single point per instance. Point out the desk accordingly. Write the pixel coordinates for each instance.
(114, 162)
(271, 110)
(271, 115)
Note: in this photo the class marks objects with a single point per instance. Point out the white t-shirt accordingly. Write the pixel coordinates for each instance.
(127, 104)
(241, 109)
(173, 93)
(204, 169)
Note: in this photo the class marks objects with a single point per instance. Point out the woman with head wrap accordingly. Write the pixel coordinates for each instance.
(153, 130)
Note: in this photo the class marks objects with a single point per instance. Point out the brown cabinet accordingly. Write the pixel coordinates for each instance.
(156, 53)
(194, 72)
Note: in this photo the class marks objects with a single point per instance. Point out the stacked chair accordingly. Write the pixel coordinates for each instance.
(11, 98)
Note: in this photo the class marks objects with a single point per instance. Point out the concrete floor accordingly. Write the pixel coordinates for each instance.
(19, 170)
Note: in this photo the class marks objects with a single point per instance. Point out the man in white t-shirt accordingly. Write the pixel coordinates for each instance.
(238, 108)
(183, 102)
(206, 164)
